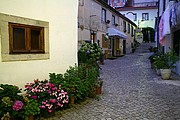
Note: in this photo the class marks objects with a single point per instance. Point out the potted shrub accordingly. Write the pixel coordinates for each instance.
(158, 64)
(154, 57)
(12, 105)
(32, 109)
(166, 63)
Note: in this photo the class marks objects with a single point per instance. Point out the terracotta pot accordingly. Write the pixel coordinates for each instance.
(99, 87)
(72, 100)
(99, 90)
(31, 117)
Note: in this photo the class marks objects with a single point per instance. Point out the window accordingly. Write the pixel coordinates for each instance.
(124, 26)
(103, 15)
(26, 38)
(135, 16)
(145, 16)
(132, 31)
(113, 20)
(128, 28)
(93, 37)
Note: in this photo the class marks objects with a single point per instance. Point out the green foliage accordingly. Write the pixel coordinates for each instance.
(48, 95)
(32, 108)
(89, 53)
(9, 95)
(78, 81)
(154, 56)
(165, 61)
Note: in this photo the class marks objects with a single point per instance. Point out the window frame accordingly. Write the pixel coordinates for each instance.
(113, 20)
(132, 31)
(28, 49)
(129, 29)
(145, 16)
(103, 15)
(135, 16)
(124, 26)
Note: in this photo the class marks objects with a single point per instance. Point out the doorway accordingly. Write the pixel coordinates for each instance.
(124, 46)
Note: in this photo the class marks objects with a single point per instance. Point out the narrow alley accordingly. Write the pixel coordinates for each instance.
(131, 91)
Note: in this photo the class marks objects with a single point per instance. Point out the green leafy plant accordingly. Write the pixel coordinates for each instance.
(49, 96)
(165, 61)
(78, 81)
(89, 53)
(153, 57)
(12, 105)
(32, 108)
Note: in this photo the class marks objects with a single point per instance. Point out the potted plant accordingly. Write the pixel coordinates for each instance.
(99, 87)
(32, 109)
(12, 105)
(158, 64)
(166, 62)
(154, 57)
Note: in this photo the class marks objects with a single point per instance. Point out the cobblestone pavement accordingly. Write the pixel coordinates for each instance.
(131, 91)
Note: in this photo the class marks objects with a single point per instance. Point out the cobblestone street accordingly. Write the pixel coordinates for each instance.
(131, 91)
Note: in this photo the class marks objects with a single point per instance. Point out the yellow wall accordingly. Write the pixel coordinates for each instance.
(62, 18)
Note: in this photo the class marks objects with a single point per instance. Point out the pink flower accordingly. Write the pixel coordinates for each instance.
(59, 104)
(53, 89)
(49, 91)
(52, 85)
(43, 103)
(47, 105)
(18, 105)
(53, 100)
(49, 111)
(42, 106)
(34, 97)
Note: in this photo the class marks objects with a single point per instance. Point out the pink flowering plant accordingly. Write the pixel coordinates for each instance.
(11, 103)
(49, 96)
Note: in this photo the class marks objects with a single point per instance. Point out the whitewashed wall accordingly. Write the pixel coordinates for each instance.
(62, 18)
(149, 23)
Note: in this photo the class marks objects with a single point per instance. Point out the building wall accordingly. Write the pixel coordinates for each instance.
(62, 39)
(140, 3)
(148, 23)
(90, 18)
(170, 37)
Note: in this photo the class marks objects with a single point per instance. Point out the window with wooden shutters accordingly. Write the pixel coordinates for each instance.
(26, 38)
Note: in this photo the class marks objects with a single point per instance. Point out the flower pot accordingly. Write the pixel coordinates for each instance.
(165, 74)
(31, 117)
(99, 87)
(99, 90)
(93, 93)
(72, 100)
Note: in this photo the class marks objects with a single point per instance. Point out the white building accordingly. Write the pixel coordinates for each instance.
(141, 12)
(53, 36)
